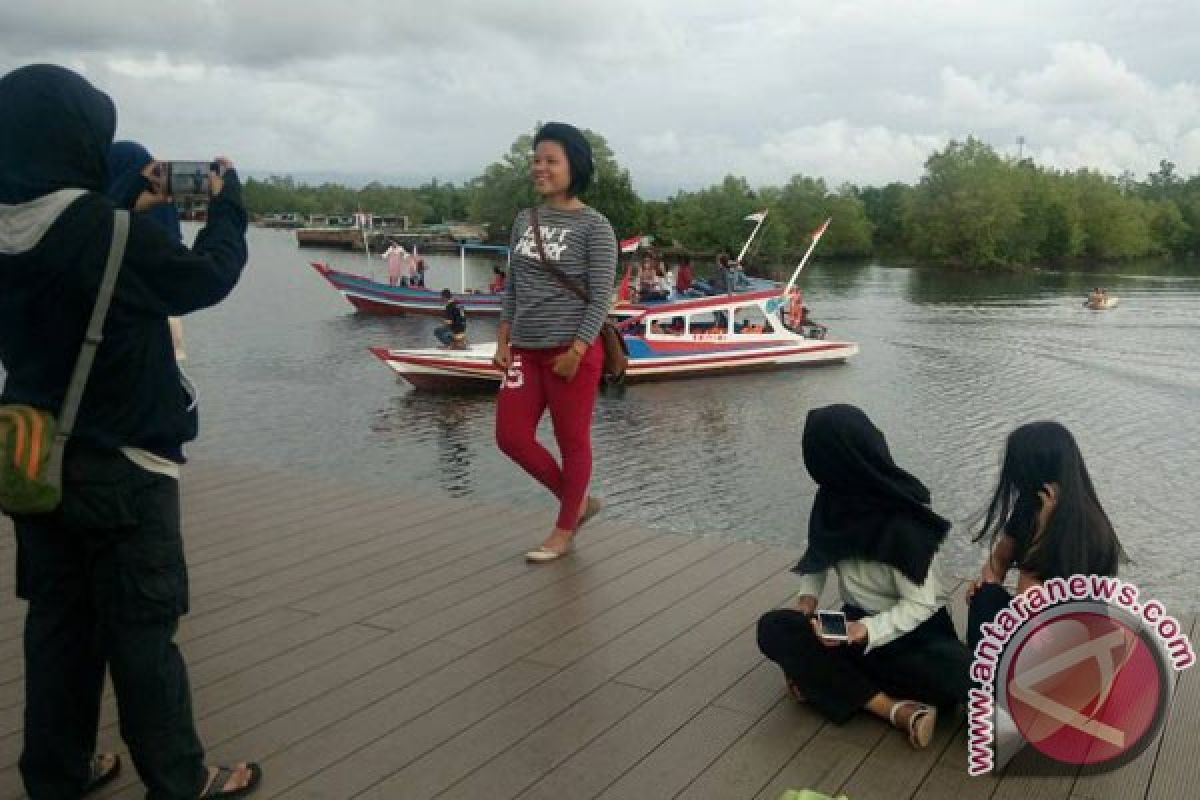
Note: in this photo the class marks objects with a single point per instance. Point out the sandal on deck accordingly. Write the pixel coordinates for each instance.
(100, 773)
(544, 555)
(215, 788)
(920, 724)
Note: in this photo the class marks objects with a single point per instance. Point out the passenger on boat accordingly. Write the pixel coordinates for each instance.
(809, 327)
(452, 333)
(419, 272)
(871, 524)
(1044, 518)
(395, 256)
(683, 276)
(497, 284)
(650, 288)
(722, 279)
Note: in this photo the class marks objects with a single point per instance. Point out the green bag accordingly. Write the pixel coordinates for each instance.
(808, 794)
(28, 482)
(32, 441)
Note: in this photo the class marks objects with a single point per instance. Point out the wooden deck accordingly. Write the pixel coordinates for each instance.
(394, 645)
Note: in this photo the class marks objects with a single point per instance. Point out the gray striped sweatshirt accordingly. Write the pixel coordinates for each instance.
(543, 312)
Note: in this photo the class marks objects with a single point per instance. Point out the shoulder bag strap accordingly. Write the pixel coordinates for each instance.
(91, 341)
(557, 272)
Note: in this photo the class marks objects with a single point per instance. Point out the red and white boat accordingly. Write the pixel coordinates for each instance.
(681, 339)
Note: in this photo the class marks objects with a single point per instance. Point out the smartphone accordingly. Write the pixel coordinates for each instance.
(833, 625)
(187, 178)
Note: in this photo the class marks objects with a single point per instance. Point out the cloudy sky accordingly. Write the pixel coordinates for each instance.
(685, 91)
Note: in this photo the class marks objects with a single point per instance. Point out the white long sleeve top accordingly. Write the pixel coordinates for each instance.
(894, 604)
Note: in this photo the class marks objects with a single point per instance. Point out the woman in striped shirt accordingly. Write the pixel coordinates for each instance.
(548, 342)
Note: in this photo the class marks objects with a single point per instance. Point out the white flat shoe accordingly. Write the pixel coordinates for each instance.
(544, 555)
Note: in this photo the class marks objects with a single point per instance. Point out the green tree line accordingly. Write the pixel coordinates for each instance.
(972, 207)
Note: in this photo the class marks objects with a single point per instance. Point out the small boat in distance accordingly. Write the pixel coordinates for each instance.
(682, 339)
(1100, 300)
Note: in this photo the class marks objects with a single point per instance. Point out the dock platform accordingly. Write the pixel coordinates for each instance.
(369, 644)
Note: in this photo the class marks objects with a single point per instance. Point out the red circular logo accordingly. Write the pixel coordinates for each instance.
(1085, 688)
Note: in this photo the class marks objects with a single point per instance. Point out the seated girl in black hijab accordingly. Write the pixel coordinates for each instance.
(1044, 519)
(871, 524)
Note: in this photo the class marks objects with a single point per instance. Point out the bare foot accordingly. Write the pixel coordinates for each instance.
(104, 762)
(559, 540)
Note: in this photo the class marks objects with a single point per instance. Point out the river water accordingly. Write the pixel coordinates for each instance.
(949, 364)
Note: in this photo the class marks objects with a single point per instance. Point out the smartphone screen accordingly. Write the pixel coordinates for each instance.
(833, 624)
(187, 178)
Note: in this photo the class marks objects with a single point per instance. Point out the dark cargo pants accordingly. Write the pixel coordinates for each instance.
(106, 583)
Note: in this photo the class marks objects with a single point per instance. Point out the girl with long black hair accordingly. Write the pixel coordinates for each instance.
(1044, 518)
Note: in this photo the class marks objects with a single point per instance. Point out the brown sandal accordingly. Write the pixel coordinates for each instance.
(920, 724)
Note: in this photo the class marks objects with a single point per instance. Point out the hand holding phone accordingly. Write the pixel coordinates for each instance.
(216, 174)
(155, 192)
(833, 625)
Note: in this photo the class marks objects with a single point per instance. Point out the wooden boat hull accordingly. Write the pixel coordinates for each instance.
(438, 369)
(1102, 305)
(372, 297)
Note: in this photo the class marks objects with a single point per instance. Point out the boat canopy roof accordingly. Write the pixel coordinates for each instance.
(492, 248)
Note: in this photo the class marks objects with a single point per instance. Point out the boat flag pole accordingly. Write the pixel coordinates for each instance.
(361, 220)
(759, 217)
(462, 267)
(812, 245)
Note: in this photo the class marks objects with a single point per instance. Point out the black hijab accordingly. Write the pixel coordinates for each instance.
(577, 148)
(866, 507)
(125, 183)
(55, 131)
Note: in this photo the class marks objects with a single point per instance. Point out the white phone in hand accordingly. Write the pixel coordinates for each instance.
(833, 625)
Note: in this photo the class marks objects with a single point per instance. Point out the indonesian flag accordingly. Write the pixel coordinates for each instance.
(631, 244)
(757, 216)
(817, 233)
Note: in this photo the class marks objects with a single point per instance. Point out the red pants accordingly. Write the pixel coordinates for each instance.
(529, 388)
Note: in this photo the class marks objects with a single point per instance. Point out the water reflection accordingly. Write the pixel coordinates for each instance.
(454, 435)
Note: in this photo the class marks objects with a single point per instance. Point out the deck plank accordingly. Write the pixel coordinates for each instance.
(574, 684)
(1174, 773)
(373, 643)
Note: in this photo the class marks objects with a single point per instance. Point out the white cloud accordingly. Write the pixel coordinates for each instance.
(686, 91)
(1082, 73)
